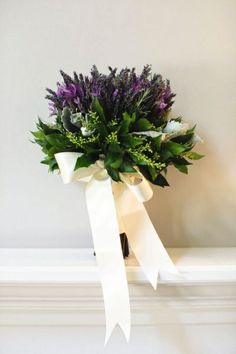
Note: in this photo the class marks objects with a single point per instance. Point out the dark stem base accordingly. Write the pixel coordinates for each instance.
(124, 245)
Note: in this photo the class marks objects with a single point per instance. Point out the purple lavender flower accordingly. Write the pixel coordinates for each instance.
(115, 93)
(60, 89)
(167, 93)
(162, 105)
(95, 89)
(66, 91)
(52, 108)
(118, 92)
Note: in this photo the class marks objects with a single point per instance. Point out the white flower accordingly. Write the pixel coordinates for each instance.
(151, 133)
(174, 126)
(86, 132)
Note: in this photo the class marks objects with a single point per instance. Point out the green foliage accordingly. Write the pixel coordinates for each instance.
(66, 119)
(127, 166)
(131, 141)
(52, 141)
(174, 148)
(156, 143)
(126, 145)
(194, 155)
(181, 168)
(143, 125)
(96, 107)
(127, 121)
(85, 160)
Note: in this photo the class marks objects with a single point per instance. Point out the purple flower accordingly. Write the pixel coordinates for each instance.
(115, 93)
(67, 91)
(95, 90)
(162, 105)
(135, 88)
(52, 108)
(80, 91)
(167, 93)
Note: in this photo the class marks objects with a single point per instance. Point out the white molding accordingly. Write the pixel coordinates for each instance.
(79, 266)
(61, 287)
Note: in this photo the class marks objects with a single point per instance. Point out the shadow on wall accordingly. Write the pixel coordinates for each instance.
(199, 209)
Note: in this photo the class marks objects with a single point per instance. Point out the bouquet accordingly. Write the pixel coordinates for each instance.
(113, 128)
(120, 118)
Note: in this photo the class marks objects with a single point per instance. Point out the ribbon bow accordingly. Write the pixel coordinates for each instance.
(109, 202)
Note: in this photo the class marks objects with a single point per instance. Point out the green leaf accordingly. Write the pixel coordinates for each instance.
(114, 148)
(97, 107)
(102, 129)
(53, 167)
(153, 172)
(145, 171)
(117, 162)
(46, 161)
(183, 138)
(175, 148)
(133, 117)
(113, 173)
(124, 128)
(39, 134)
(142, 124)
(156, 142)
(131, 141)
(51, 162)
(52, 151)
(127, 121)
(114, 156)
(66, 120)
(141, 159)
(47, 129)
(84, 161)
(165, 154)
(127, 166)
(161, 181)
(113, 160)
(181, 168)
(45, 146)
(194, 155)
(57, 140)
(180, 161)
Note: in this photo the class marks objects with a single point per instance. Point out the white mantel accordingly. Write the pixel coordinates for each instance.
(59, 288)
(67, 265)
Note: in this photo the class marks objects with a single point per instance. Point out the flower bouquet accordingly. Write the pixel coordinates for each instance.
(120, 118)
(113, 132)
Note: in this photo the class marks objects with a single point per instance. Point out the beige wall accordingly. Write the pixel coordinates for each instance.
(190, 42)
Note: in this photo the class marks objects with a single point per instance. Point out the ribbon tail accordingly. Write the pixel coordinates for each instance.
(105, 231)
(143, 238)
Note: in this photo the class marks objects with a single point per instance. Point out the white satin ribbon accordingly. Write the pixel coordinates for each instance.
(142, 236)
(105, 231)
(104, 210)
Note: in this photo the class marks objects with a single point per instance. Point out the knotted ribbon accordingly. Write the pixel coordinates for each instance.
(114, 208)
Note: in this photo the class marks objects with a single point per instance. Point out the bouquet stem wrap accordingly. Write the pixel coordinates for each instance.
(107, 203)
